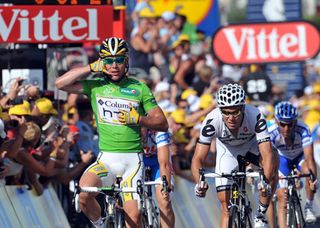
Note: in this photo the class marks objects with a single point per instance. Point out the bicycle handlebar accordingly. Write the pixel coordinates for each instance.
(107, 189)
(296, 176)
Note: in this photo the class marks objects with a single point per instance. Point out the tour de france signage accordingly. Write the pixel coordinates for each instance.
(55, 24)
(266, 42)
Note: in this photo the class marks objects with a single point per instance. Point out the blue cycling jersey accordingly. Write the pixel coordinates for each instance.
(301, 138)
(152, 140)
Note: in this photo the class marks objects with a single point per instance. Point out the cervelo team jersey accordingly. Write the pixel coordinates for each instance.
(107, 99)
(253, 126)
(152, 140)
(301, 139)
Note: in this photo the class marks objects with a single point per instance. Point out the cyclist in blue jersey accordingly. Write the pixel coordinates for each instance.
(157, 157)
(292, 139)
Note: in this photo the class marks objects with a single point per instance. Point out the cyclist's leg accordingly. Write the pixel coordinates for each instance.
(133, 171)
(284, 170)
(164, 202)
(225, 163)
(88, 203)
(309, 212)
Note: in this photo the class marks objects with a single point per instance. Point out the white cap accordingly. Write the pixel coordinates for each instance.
(2, 132)
(168, 16)
(161, 87)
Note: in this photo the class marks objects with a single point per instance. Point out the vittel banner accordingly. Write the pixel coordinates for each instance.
(266, 42)
(55, 24)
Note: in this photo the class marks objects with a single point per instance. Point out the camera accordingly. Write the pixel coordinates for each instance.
(12, 124)
(16, 101)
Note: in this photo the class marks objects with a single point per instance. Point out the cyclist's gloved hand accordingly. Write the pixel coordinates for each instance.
(131, 117)
(201, 191)
(313, 185)
(265, 189)
(96, 66)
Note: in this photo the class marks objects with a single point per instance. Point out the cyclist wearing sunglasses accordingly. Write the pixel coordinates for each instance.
(121, 105)
(239, 129)
(292, 139)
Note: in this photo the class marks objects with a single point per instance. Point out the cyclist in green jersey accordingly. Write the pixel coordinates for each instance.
(121, 105)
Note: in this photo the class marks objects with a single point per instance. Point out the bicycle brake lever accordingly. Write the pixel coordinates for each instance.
(202, 178)
(165, 186)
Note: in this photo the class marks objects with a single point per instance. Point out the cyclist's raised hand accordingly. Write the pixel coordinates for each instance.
(98, 66)
(200, 189)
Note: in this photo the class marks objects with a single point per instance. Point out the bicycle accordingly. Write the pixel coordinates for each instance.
(239, 204)
(148, 207)
(295, 218)
(113, 204)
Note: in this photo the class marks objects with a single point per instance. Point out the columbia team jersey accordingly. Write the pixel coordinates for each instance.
(106, 100)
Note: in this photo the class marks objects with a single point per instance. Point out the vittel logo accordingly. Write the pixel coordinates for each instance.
(266, 42)
(49, 24)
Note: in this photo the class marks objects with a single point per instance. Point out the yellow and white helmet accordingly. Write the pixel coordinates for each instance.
(113, 46)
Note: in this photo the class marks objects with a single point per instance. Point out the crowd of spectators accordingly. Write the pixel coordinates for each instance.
(44, 140)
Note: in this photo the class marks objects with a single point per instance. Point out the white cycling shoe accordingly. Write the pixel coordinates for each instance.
(309, 214)
(260, 221)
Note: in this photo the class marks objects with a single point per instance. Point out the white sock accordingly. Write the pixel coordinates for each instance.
(98, 223)
(309, 202)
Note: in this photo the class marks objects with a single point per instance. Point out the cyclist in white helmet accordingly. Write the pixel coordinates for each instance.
(292, 139)
(121, 105)
(239, 129)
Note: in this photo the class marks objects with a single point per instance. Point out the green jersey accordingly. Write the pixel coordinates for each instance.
(107, 99)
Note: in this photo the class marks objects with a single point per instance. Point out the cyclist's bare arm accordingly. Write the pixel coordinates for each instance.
(308, 156)
(268, 160)
(69, 81)
(155, 120)
(198, 159)
(164, 162)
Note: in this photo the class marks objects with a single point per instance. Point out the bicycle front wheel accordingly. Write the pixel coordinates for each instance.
(234, 218)
(295, 218)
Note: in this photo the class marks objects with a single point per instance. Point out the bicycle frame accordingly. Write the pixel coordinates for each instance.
(239, 204)
(294, 213)
(113, 202)
(148, 207)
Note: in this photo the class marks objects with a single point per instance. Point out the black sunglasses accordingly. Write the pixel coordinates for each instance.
(282, 124)
(234, 114)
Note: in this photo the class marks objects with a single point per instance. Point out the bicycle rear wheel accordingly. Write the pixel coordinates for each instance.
(234, 218)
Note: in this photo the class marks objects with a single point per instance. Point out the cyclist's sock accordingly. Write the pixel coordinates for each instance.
(309, 203)
(262, 208)
(99, 223)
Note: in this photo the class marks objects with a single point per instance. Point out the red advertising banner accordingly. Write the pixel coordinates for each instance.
(55, 24)
(266, 42)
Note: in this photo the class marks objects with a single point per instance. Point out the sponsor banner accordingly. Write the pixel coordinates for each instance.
(109, 108)
(288, 75)
(55, 24)
(266, 42)
(206, 18)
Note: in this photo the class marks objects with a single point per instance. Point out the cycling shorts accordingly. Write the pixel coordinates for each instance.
(227, 161)
(285, 167)
(129, 166)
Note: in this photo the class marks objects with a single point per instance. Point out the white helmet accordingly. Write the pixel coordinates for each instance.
(230, 95)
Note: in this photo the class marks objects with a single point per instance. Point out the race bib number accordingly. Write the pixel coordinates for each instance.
(109, 108)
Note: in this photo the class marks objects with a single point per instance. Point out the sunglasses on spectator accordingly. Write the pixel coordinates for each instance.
(234, 114)
(282, 124)
(110, 60)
